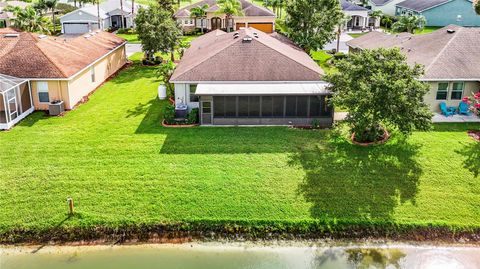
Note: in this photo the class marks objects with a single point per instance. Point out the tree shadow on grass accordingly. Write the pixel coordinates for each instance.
(471, 153)
(346, 181)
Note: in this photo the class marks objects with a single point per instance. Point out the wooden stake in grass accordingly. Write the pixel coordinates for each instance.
(70, 206)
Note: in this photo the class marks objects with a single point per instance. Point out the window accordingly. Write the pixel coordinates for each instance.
(193, 89)
(302, 106)
(207, 107)
(442, 91)
(315, 106)
(230, 106)
(42, 91)
(219, 106)
(243, 106)
(291, 106)
(92, 73)
(278, 104)
(457, 91)
(267, 106)
(254, 106)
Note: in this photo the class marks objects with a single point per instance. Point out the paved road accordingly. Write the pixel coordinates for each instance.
(132, 48)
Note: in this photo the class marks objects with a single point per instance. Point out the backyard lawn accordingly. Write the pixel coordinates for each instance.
(121, 167)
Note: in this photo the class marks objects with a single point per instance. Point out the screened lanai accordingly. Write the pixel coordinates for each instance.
(15, 100)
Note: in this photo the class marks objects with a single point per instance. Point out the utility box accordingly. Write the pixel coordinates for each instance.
(56, 108)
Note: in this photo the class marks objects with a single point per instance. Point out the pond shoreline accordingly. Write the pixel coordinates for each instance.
(240, 232)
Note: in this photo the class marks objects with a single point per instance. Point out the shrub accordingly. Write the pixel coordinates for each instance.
(192, 117)
(339, 56)
(477, 7)
(315, 124)
(127, 31)
(169, 114)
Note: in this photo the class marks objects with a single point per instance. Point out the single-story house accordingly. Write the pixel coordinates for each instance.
(441, 12)
(451, 56)
(249, 77)
(85, 19)
(360, 16)
(254, 16)
(63, 68)
(387, 7)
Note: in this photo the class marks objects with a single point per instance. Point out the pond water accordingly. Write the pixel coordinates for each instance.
(233, 256)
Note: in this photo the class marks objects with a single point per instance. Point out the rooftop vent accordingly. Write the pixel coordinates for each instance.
(236, 35)
(42, 36)
(87, 36)
(450, 31)
(11, 35)
(255, 35)
(247, 39)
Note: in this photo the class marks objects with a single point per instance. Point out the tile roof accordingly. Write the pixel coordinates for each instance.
(248, 8)
(421, 5)
(452, 52)
(349, 6)
(32, 56)
(219, 56)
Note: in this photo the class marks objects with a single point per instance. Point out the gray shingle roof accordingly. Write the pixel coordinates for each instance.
(445, 55)
(421, 5)
(248, 9)
(218, 56)
(348, 6)
(380, 2)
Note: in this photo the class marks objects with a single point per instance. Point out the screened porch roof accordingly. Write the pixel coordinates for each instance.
(8, 82)
(287, 88)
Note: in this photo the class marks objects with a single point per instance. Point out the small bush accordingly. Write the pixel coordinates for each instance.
(127, 31)
(169, 114)
(339, 56)
(315, 124)
(192, 117)
(477, 7)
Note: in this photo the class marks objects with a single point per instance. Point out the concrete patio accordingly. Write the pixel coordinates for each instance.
(455, 118)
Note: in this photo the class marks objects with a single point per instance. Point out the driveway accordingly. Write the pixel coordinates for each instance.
(344, 37)
(132, 48)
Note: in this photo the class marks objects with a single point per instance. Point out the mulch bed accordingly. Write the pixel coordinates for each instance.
(474, 134)
(164, 124)
(384, 139)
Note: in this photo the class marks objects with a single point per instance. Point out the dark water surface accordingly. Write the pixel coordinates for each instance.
(233, 256)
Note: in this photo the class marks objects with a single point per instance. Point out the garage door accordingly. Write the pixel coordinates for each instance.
(78, 27)
(266, 27)
(240, 25)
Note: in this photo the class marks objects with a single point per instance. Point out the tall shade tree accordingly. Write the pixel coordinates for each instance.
(380, 90)
(167, 5)
(40, 7)
(230, 8)
(28, 20)
(157, 31)
(199, 12)
(476, 6)
(52, 6)
(409, 23)
(311, 23)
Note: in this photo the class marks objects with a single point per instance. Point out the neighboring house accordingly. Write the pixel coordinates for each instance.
(58, 68)
(441, 12)
(253, 16)
(85, 19)
(6, 17)
(387, 7)
(251, 78)
(361, 19)
(451, 56)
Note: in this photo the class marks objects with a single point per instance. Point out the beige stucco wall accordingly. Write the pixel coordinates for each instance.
(81, 85)
(72, 91)
(430, 98)
(57, 90)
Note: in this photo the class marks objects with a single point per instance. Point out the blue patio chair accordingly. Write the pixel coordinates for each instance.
(463, 109)
(446, 111)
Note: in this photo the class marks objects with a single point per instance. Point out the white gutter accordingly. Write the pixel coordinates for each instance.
(249, 82)
(83, 69)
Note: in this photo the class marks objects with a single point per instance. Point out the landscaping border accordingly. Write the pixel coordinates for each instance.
(164, 124)
(207, 230)
(386, 136)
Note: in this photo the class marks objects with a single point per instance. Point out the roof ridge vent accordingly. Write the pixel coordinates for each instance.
(450, 31)
(87, 36)
(247, 39)
(255, 34)
(236, 35)
(42, 36)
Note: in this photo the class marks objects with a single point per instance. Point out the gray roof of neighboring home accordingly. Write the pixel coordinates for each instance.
(248, 9)
(348, 6)
(421, 5)
(445, 55)
(14, 4)
(380, 2)
(219, 56)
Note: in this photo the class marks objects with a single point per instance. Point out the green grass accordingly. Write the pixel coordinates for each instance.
(131, 38)
(427, 29)
(120, 166)
(322, 57)
(355, 35)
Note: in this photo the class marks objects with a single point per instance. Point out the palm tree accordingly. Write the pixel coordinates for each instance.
(199, 12)
(376, 14)
(346, 18)
(121, 12)
(229, 8)
(28, 20)
(133, 12)
(409, 23)
(387, 21)
(98, 15)
(52, 5)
